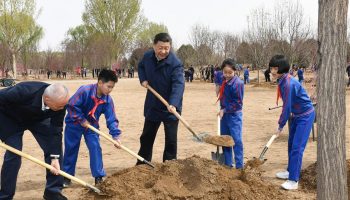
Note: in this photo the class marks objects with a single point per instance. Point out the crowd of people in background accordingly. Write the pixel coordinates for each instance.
(205, 73)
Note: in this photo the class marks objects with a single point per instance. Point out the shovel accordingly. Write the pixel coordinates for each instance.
(217, 156)
(224, 140)
(261, 157)
(47, 166)
(256, 162)
(121, 146)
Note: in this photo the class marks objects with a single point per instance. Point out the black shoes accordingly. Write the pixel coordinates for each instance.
(53, 196)
(66, 182)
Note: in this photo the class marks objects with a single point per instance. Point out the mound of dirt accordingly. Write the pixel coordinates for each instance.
(222, 140)
(191, 178)
(308, 180)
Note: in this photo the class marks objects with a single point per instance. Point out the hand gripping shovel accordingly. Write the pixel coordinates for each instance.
(224, 140)
(47, 166)
(121, 146)
(217, 156)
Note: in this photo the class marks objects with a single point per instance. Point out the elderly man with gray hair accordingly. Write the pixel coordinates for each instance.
(40, 108)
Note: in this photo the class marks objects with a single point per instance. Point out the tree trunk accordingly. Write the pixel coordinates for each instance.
(14, 67)
(331, 110)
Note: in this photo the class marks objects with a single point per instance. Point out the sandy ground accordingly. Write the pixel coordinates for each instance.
(200, 110)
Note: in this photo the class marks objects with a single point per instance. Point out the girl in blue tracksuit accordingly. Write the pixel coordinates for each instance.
(231, 101)
(298, 106)
(85, 107)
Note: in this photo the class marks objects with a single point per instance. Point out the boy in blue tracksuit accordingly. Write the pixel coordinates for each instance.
(85, 107)
(300, 75)
(296, 103)
(231, 102)
(246, 75)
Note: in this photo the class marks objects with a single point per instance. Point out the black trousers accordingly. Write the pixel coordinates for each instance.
(12, 162)
(149, 134)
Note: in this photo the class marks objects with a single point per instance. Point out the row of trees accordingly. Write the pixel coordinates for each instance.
(111, 29)
(283, 30)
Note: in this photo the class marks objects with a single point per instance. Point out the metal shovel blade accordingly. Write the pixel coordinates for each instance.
(219, 157)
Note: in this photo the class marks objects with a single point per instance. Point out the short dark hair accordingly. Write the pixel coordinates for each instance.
(281, 62)
(163, 37)
(107, 75)
(230, 62)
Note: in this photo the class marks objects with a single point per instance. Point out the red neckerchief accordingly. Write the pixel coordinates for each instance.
(279, 90)
(97, 102)
(222, 88)
(278, 94)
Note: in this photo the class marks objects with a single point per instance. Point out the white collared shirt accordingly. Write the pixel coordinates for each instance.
(43, 106)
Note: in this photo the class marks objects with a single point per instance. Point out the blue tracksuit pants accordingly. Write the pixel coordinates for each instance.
(298, 136)
(231, 124)
(72, 138)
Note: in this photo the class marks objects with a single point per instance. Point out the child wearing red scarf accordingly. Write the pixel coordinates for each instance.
(85, 107)
(231, 102)
(297, 106)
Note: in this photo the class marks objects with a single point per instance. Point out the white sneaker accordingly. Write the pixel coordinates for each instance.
(283, 175)
(290, 185)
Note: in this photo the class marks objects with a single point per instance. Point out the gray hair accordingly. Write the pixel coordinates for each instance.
(56, 91)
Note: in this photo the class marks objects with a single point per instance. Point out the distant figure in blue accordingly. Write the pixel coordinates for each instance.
(218, 78)
(300, 75)
(246, 75)
(231, 102)
(348, 72)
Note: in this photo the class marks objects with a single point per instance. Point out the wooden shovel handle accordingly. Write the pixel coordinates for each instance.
(47, 166)
(177, 115)
(273, 137)
(121, 146)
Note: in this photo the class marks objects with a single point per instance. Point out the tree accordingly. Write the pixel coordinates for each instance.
(289, 25)
(230, 45)
(4, 57)
(136, 56)
(79, 36)
(186, 54)
(117, 19)
(18, 28)
(258, 35)
(148, 31)
(331, 110)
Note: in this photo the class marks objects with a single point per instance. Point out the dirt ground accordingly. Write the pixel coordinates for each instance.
(200, 110)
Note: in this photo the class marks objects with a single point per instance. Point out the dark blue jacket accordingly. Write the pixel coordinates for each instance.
(300, 74)
(295, 99)
(218, 77)
(246, 72)
(21, 106)
(166, 77)
(232, 98)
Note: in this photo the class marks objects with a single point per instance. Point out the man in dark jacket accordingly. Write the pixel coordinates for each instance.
(162, 70)
(39, 108)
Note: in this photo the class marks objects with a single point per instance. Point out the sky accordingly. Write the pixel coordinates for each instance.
(57, 16)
